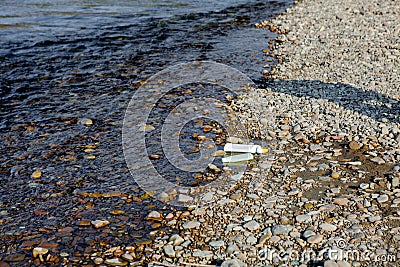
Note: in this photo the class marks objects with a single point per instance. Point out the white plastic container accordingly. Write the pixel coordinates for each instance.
(237, 158)
(242, 148)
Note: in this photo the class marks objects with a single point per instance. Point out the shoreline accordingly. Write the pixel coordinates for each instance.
(331, 182)
(67, 197)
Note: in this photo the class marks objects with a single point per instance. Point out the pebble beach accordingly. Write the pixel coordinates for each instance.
(327, 193)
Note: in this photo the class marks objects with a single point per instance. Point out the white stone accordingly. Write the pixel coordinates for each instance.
(303, 218)
(169, 251)
(327, 227)
(251, 225)
(191, 224)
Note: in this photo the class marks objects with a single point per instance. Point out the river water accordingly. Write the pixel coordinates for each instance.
(65, 61)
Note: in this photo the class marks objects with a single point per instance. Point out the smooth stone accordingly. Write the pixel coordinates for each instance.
(36, 174)
(169, 251)
(184, 198)
(341, 201)
(98, 261)
(85, 121)
(396, 182)
(14, 258)
(374, 218)
(247, 218)
(354, 163)
(99, 223)
(293, 192)
(213, 167)
(378, 160)
(382, 198)
(154, 216)
(208, 196)
(327, 227)
(335, 175)
(251, 240)
(315, 147)
(264, 239)
(217, 243)
(315, 239)
(303, 218)
(163, 197)
(176, 240)
(252, 225)
(232, 249)
(39, 251)
(128, 257)
(145, 128)
(354, 145)
(282, 229)
(308, 233)
(275, 239)
(202, 254)
(191, 224)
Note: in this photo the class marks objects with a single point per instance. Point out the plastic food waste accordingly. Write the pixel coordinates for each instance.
(242, 148)
(246, 151)
(238, 158)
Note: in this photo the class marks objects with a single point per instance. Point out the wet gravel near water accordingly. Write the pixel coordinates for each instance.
(63, 98)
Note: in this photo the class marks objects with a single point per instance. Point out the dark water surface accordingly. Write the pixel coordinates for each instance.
(62, 61)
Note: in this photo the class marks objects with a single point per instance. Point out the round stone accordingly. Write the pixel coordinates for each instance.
(327, 227)
(315, 239)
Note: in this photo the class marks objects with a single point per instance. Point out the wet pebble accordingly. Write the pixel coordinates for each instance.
(154, 216)
(100, 223)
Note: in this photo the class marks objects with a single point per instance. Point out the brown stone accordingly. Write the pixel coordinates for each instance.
(207, 128)
(29, 243)
(39, 251)
(49, 245)
(117, 212)
(335, 175)
(66, 229)
(36, 174)
(341, 201)
(156, 225)
(4, 264)
(40, 212)
(100, 223)
(84, 223)
(354, 145)
(14, 258)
